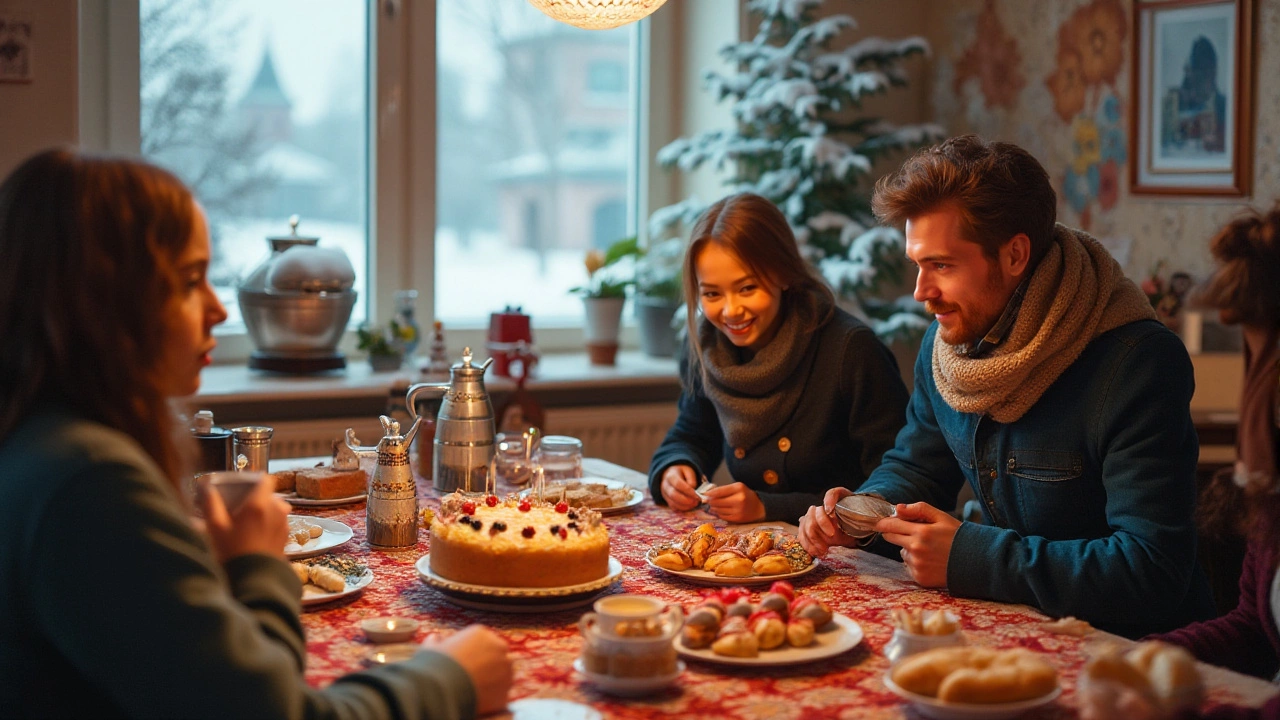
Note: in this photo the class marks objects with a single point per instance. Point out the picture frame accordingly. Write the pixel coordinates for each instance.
(1192, 119)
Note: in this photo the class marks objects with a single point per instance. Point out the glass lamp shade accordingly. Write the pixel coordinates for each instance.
(597, 14)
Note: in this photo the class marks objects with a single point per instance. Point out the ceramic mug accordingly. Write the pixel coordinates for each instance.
(636, 617)
(234, 487)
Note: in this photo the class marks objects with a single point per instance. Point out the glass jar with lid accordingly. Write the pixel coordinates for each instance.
(560, 457)
(511, 464)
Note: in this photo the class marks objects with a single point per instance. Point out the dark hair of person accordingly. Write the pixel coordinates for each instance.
(756, 232)
(998, 188)
(1243, 288)
(88, 252)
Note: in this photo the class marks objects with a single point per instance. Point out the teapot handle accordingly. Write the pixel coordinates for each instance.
(435, 391)
(354, 443)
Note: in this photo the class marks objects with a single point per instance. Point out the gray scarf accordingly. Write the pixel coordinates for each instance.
(755, 396)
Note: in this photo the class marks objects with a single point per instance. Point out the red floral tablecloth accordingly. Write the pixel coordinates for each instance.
(860, 585)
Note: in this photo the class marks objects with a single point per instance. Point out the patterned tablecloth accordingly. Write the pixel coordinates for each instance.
(857, 584)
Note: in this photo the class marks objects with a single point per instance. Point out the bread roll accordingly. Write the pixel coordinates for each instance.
(737, 644)
(719, 556)
(799, 632)
(924, 672)
(1012, 676)
(327, 579)
(768, 628)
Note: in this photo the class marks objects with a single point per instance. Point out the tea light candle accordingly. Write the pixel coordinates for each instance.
(389, 629)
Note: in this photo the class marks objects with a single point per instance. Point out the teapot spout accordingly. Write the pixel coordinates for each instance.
(485, 365)
(413, 430)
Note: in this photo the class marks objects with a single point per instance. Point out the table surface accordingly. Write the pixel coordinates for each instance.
(857, 584)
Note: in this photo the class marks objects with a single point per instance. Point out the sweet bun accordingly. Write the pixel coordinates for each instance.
(697, 636)
(924, 672)
(1166, 673)
(735, 567)
(672, 558)
(769, 629)
(799, 632)
(719, 556)
(771, 563)
(737, 644)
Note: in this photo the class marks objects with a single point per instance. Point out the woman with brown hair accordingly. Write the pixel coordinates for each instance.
(1247, 497)
(113, 603)
(794, 394)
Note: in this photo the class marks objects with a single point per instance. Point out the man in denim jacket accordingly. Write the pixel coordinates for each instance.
(1046, 384)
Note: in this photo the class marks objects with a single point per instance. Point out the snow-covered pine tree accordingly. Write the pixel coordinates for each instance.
(799, 141)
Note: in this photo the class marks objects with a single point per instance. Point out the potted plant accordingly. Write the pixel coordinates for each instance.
(604, 295)
(659, 294)
(386, 346)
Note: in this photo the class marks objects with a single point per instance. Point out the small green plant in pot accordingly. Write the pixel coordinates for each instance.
(659, 294)
(385, 346)
(609, 274)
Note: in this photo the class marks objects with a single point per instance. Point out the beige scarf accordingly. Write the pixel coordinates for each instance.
(1077, 293)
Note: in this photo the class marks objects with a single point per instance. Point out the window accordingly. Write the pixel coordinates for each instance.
(532, 172)
(261, 109)
(475, 162)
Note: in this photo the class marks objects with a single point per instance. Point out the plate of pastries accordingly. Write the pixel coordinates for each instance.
(331, 577)
(711, 556)
(782, 628)
(974, 683)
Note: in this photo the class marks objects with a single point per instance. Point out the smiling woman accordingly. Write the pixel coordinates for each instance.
(795, 394)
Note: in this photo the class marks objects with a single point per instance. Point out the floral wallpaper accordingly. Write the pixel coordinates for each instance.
(1054, 77)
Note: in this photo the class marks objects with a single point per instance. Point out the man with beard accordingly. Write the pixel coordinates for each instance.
(1048, 386)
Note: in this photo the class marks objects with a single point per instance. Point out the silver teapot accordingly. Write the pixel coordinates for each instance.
(463, 446)
(391, 511)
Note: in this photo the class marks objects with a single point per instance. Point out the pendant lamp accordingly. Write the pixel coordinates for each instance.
(597, 14)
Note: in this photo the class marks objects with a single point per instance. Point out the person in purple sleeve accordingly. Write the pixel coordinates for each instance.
(1247, 639)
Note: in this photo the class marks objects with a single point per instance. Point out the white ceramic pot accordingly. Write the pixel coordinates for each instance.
(604, 319)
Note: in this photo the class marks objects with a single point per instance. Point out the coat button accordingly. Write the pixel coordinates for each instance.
(992, 474)
(784, 444)
(771, 477)
(739, 453)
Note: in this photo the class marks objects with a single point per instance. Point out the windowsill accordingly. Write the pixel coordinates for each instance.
(238, 394)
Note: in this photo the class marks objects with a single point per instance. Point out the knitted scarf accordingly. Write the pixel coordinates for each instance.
(1077, 293)
(754, 396)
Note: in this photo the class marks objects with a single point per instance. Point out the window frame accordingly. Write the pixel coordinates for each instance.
(402, 151)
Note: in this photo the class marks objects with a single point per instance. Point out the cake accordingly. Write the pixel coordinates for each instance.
(322, 483)
(517, 542)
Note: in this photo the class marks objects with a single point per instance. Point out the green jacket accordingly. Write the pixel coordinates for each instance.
(112, 605)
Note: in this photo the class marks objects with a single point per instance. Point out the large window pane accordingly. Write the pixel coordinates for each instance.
(536, 142)
(261, 108)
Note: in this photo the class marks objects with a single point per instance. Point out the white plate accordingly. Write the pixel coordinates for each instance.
(312, 595)
(627, 687)
(839, 636)
(335, 534)
(698, 576)
(293, 499)
(551, 709)
(633, 500)
(934, 708)
(517, 600)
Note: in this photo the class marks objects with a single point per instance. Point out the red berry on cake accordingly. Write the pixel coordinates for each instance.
(491, 501)
(562, 507)
(525, 506)
(469, 507)
(563, 533)
(528, 531)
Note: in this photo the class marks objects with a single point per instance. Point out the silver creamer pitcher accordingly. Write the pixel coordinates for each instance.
(391, 511)
(463, 444)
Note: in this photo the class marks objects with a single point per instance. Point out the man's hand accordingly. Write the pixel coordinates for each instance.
(818, 528)
(678, 484)
(735, 502)
(925, 534)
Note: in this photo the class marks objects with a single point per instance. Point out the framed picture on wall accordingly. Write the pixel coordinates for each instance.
(1192, 124)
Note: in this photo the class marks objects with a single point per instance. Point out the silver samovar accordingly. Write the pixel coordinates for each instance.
(391, 511)
(463, 444)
